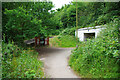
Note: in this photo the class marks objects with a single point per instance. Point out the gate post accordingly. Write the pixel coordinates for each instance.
(39, 40)
(35, 41)
(47, 40)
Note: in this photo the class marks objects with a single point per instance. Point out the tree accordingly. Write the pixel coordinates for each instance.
(89, 13)
(26, 20)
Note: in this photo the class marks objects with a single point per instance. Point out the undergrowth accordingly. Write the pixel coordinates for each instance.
(100, 57)
(20, 63)
(63, 41)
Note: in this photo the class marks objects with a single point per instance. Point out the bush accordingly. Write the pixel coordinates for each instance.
(68, 31)
(100, 57)
(20, 63)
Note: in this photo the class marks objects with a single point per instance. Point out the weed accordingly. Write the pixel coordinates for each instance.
(20, 63)
(100, 57)
(63, 41)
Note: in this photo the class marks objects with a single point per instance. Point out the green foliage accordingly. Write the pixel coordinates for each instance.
(27, 20)
(20, 63)
(20, 26)
(100, 57)
(63, 41)
(68, 31)
(96, 13)
(66, 38)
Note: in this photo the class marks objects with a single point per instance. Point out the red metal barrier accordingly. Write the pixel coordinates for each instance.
(38, 38)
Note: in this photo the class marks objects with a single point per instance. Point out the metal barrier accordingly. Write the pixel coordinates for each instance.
(44, 41)
(38, 41)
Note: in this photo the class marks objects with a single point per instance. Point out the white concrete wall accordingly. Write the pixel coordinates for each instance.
(81, 33)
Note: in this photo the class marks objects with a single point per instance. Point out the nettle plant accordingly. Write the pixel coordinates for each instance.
(20, 63)
(30, 73)
(99, 57)
(9, 51)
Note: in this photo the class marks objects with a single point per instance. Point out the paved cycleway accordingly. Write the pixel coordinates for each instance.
(56, 62)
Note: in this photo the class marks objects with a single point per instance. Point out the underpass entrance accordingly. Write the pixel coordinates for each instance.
(88, 36)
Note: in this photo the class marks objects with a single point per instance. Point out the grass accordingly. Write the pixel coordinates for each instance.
(64, 41)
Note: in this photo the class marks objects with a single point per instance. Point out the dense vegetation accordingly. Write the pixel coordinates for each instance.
(89, 13)
(25, 20)
(20, 63)
(100, 57)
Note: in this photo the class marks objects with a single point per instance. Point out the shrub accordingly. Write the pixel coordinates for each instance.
(100, 57)
(20, 63)
(68, 31)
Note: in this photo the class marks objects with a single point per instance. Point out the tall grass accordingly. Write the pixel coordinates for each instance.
(66, 38)
(63, 41)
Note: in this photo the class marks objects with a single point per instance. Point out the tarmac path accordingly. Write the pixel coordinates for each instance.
(56, 62)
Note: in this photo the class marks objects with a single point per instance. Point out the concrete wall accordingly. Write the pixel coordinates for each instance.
(88, 30)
